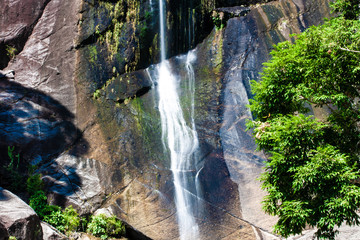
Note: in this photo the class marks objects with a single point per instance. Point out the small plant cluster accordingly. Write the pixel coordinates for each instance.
(65, 221)
(10, 176)
(11, 51)
(68, 220)
(218, 20)
(104, 227)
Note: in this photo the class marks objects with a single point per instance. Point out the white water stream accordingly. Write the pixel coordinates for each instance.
(179, 135)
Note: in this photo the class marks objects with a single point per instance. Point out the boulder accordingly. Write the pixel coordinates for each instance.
(50, 233)
(18, 218)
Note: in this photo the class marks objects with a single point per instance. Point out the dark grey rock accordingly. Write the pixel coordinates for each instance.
(36, 124)
(4, 235)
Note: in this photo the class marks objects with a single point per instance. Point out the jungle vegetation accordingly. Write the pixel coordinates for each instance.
(306, 111)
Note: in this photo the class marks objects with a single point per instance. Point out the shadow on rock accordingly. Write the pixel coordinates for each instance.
(38, 126)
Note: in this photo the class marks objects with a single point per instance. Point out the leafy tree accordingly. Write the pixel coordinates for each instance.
(312, 174)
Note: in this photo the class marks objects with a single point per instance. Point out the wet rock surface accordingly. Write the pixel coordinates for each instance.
(231, 3)
(17, 218)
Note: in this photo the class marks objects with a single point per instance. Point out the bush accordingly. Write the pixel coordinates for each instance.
(68, 220)
(65, 221)
(105, 227)
(39, 204)
(34, 184)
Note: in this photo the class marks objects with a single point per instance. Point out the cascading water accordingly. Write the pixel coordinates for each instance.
(179, 135)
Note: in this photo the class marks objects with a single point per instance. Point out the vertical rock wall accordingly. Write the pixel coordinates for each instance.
(231, 57)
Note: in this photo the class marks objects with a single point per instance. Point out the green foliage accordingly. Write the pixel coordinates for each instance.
(68, 220)
(312, 174)
(84, 221)
(349, 9)
(93, 54)
(11, 51)
(97, 94)
(218, 20)
(11, 171)
(105, 227)
(308, 181)
(318, 69)
(65, 221)
(143, 31)
(38, 202)
(13, 158)
(34, 183)
(148, 16)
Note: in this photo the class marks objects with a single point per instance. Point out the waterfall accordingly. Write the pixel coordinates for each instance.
(179, 135)
(162, 31)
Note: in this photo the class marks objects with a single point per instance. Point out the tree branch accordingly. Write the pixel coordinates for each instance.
(346, 49)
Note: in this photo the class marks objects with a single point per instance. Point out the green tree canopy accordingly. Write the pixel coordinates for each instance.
(312, 174)
(349, 9)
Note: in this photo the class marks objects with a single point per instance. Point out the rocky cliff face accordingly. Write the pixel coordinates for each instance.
(234, 56)
(84, 106)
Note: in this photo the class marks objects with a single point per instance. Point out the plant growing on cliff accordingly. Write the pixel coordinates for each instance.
(14, 159)
(65, 221)
(38, 202)
(218, 20)
(11, 51)
(105, 227)
(349, 9)
(10, 175)
(312, 174)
